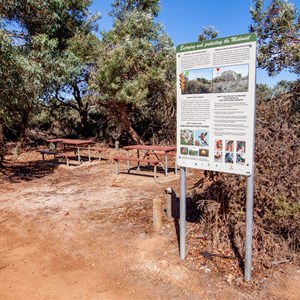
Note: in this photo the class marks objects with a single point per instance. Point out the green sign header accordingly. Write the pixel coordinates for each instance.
(230, 40)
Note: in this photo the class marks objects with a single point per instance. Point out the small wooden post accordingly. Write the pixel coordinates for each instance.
(157, 214)
(168, 192)
(170, 203)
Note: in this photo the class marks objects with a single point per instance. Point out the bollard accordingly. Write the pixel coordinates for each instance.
(157, 214)
(168, 192)
(170, 203)
(117, 145)
(16, 151)
(52, 146)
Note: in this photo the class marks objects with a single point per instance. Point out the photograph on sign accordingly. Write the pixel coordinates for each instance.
(216, 104)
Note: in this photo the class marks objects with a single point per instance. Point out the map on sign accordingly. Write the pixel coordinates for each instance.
(216, 104)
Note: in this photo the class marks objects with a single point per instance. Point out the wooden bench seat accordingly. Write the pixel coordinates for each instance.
(163, 153)
(48, 152)
(95, 149)
(67, 156)
(154, 162)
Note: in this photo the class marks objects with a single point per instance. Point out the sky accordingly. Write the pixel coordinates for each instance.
(183, 20)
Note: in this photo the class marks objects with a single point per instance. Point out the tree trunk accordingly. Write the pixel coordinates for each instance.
(24, 122)
(2, 144)
(125, 121)
(84, 122)
(83, 110)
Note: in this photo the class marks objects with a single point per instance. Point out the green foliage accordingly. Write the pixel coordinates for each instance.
(208, 33)
(122, 7)
(266, 93)
(41, 53)
(8, 73)
(282, 87)
(136, 64)
(277, 28)
(263, 92)
(197, 86)
(58, 19)
(285, 209)
(84, 47)
(133, 55)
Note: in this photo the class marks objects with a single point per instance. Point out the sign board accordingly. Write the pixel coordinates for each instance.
(216, 104)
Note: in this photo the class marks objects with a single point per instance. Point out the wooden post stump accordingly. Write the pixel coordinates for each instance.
(170, 203)
(157, 214)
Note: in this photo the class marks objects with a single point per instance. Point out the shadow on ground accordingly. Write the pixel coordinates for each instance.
(28, 171)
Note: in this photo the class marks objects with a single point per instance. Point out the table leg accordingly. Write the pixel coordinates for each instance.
(166, 165)
(78, 153)
(138, 156)
(161, 163)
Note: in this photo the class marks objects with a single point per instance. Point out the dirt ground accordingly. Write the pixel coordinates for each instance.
(82, 232)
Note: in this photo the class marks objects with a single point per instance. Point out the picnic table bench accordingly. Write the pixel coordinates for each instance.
(162, 153)
(64, 155)
(153, 162)
(154, 150)
(67, 156)
(99, 150)
(48, 152)
(75, 144)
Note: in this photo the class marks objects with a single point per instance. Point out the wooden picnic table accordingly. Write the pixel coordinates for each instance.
(157, 151)
(77, 143)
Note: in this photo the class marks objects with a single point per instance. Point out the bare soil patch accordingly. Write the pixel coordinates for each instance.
(81, 232)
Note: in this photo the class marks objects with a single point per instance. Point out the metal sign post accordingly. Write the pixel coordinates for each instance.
(182, 212)
(249, 225)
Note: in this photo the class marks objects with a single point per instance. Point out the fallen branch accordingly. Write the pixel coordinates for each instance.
(278, 262)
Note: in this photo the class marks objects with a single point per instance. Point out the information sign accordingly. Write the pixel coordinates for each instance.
(216, 104)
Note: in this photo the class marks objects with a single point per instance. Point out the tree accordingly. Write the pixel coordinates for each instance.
(136, 65)
(277, 28)
(73, 92)
(58, 19)
(263, 93)
(32, 67)
(282, 87)
(120, 8)
(34, 54)
(208, 33)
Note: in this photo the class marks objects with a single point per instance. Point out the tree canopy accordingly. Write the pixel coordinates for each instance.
(136, 63)
(207, 33)
(49, 52)
(277, 28)
(37, 45)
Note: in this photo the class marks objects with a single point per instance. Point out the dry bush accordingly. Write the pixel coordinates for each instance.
(198, 86)
(276, 237)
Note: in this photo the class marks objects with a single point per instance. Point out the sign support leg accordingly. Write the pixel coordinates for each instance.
(182, 212)
(249, 225)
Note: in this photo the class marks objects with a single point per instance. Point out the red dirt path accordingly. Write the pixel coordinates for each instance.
(84, 233)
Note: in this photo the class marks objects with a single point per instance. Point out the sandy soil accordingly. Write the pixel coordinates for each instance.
(81, 232)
